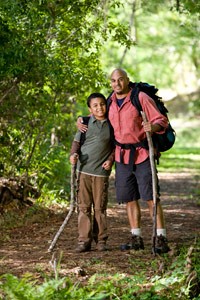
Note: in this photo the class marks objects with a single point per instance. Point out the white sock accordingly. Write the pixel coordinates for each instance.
(161, 231)
(136, 231)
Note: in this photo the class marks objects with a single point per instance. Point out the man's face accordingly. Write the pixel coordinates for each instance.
(119, 83)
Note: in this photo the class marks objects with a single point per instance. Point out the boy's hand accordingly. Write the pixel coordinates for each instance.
(73, 158)
(80, 125)
(107, 165)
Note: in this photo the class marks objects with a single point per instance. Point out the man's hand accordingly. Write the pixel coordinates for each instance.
(148, 127)
(80, 125)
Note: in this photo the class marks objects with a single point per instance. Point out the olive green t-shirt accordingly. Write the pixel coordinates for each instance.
(96, 148)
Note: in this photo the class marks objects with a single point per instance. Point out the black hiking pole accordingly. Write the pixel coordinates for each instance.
(154, 184)
(71, 210)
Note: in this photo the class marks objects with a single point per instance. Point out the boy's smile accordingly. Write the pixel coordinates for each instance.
(98, 108)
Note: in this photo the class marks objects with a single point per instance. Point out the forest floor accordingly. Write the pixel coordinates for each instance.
(26, 237)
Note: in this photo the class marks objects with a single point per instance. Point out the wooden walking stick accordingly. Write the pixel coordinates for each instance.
(71, 210)
(154, 184)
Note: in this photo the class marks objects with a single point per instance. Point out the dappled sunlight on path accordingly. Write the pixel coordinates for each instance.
(25, 248)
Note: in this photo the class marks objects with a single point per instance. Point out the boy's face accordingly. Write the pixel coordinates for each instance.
(98, 108)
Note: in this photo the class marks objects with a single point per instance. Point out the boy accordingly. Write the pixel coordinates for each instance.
(94, 160)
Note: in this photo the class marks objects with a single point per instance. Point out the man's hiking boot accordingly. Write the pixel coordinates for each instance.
(83, 247)
(136, 243)
(161, 245)
(101, 246)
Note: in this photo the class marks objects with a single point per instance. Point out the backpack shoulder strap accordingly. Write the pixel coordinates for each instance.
(83, 134)
(108, 102)
(136, 88)
(86, 120)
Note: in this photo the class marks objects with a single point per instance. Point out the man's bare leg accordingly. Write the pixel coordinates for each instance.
(134, 214)
(134, 217)
(160, 215)
(161, 241)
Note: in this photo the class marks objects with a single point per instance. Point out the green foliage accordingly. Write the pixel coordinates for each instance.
(180, 159)
(27, 288)
(165, 44)
(185, 152)
(49, 62)
(171, 285)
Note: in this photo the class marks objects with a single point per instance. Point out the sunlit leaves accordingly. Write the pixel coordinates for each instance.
(49, 63)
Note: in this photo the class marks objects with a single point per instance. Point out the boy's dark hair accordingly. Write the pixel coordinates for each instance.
(95, 95)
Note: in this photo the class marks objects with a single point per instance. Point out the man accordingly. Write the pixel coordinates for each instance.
(133, 176)
(133, 170)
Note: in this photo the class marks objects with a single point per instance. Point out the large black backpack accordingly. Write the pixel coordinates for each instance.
(162, 142)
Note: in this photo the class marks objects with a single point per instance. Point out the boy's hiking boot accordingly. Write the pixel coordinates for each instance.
(83, 247)
(136, 243)
(161, 245)
(101, 246)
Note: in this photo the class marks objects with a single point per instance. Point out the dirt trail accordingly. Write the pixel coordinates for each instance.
(24, 249)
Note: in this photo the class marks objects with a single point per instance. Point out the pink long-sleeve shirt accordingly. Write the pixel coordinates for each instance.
(127, 124)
